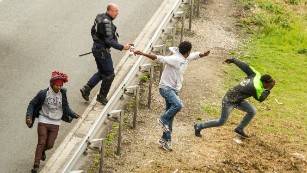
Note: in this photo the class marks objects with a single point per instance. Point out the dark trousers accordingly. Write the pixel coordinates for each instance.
(47, 133)
(105, 70)
(227, 107)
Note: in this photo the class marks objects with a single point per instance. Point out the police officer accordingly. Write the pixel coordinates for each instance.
(104, 36)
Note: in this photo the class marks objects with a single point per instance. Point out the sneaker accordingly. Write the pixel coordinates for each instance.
(167, 146)
(101, 99)
(161, 142)
(85, 91)
(197, 131)
(43, 156)
(241, 133)
(35, 169)
(164, 126)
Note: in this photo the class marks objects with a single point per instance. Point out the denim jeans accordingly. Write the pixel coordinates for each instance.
(173, 106)
(227, 107)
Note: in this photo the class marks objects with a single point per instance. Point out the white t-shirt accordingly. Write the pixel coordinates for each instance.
(52, 111)
(175, 66)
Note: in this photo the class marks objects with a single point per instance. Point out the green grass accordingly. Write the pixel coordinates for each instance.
(278, 46)
(145, 78)
(210, 109)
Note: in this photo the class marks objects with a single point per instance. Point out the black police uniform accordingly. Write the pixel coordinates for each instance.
(104, 36)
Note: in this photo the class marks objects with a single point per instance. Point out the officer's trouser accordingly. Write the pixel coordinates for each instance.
(105, 71)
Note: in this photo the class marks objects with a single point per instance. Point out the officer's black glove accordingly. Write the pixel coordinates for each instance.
(231, 60)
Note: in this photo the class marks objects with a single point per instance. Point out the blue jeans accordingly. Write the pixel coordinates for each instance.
(173, 106)
(227, 107)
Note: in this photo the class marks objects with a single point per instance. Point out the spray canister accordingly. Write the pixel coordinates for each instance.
(131, 51)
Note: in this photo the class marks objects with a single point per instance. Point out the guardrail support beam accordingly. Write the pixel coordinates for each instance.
(149, 68)
(102, 153)
(136, 92)
(119, 114)
(180, 14)
(150, 85)
(191, 2)
(161, 49)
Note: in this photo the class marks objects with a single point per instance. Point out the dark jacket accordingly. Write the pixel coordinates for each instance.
(250, 86)
(37, 102)
(104, 32)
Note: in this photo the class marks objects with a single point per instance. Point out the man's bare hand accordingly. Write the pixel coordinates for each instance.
(29, 122)
(138, 52)
(206, 53)
(78, 116)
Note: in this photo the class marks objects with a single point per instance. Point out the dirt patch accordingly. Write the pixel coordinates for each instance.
(216, 151)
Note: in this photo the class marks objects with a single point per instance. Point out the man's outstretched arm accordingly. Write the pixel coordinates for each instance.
(151, 56)
(242, 65)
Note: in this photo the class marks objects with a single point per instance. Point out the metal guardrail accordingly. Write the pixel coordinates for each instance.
(95, 128)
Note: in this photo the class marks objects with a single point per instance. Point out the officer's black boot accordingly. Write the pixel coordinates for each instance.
(101, 99)
(85, 91)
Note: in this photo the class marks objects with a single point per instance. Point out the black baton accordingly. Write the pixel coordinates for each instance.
(86, 53)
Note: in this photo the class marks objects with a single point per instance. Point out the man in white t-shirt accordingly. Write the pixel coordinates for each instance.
(171, 83)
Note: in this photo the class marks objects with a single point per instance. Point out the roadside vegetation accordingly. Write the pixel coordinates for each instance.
(277, 46)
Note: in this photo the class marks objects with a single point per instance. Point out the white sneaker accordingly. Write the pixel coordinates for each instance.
(167, 146)
(161, 142)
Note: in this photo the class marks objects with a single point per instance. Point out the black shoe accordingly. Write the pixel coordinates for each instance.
(43, 156)
(241, 133)
(197, 131)
(35, 169)
(85, 91)
(101, 99)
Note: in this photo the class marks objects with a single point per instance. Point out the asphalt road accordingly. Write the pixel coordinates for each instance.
(38, 37)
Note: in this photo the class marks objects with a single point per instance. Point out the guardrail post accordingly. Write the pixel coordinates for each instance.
(172, 33)
(150, 85)
(137, 96)
(136, 92)
(180, 14)
(162, 51)
(102, 152)
(119, 143)
(148, 68)
(113, 115)
(162, 65)
(198, 7)
(191, 14)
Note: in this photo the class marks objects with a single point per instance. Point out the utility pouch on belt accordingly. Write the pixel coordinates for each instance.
(103, 53)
